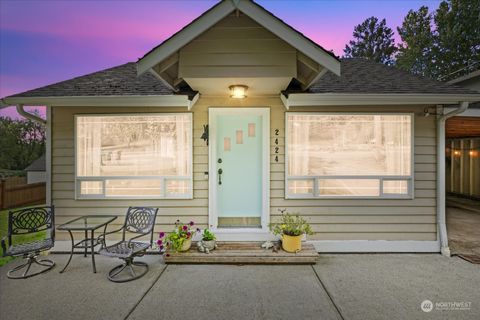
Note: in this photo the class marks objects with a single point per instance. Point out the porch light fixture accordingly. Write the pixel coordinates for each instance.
(238, 91)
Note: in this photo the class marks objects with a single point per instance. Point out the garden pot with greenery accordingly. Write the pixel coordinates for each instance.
(208, 242)
(291, 228)
(179, 240)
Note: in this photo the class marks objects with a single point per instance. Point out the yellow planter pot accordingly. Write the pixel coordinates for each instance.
(291, 243)
(186, 245)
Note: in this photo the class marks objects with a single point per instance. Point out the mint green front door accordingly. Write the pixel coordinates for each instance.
(239, 167)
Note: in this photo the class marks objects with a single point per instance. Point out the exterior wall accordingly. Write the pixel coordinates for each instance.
(237, 47)
(36, 176)
(331, 219)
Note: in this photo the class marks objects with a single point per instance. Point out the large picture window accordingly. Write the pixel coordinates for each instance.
(349, 155)
(133, 156)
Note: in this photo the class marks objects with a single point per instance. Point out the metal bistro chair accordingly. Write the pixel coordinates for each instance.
(139, 220)
(30, 221)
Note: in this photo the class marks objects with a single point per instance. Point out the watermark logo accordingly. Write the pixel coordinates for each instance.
(426, 305)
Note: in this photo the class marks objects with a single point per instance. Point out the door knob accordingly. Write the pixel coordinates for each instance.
(220, 171)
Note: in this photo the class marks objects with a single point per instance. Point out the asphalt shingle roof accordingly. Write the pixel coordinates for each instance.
(364, 76)
(37, 165)
(357, 76)
(119, 80)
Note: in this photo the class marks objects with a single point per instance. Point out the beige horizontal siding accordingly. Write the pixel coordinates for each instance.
(246, 50)
(331, 219)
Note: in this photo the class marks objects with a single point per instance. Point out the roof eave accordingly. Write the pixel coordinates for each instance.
(184, 36)
(373, 99)
(179, 100)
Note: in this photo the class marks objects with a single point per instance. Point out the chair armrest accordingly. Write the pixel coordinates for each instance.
(136, 237)
(101, 238)
(4, 246)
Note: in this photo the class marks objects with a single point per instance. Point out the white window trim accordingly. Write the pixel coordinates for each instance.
(411, 179)
(163, 195)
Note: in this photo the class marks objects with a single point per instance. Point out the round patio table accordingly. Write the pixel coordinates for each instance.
(87, 224)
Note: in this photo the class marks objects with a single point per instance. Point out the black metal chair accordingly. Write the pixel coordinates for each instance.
(140, 221)
(30, 221)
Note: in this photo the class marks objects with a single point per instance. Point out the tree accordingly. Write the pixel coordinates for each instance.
(449, 49)
(373, 40)
(21, 142)
(416, 52)
(457, 37)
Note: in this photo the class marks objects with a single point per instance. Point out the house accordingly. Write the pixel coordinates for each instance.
(36, 171)
(238, 116)
(463, 145)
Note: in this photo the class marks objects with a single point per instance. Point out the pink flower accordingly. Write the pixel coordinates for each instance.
(185, 228)
(189, 233)
(161, 247)
(162, 234)
(168, 255)
(192, 223)
(159, 242)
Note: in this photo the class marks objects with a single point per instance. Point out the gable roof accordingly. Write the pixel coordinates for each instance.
(254, 11)
(359, 76)
(117, 86)
(119, 80)
(365, 76)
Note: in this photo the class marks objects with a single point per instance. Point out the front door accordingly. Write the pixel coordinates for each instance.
(238, 167)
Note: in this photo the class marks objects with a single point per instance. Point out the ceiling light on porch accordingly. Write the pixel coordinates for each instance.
(238, 91)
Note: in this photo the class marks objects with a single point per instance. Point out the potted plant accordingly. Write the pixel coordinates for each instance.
(208, 242)
(179, 240)
(291, 227)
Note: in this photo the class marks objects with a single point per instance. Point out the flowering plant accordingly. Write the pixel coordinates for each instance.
(175, 240)
(291, 225)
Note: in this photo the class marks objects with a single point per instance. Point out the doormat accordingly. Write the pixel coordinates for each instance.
(472, 258)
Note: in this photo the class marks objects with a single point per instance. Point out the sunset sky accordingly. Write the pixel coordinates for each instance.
(46, 41)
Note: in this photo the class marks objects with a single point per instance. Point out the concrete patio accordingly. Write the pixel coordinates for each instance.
(348, 286)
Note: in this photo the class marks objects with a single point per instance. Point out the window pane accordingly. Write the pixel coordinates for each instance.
(395, 186)
(178, 187)
(349, 145)
(300, 186)
(133, 188)
(91, 187)
(349, 187)
(143, 145)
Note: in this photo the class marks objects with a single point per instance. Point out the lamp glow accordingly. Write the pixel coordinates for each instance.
(238, 91)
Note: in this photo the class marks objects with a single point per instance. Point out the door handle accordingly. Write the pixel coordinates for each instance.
(220, 171)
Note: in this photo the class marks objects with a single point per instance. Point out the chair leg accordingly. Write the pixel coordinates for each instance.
(46, 263)
(113, 275)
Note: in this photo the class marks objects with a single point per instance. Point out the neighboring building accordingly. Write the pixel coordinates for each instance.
(36, 171)
(346, 143)
(463, 145)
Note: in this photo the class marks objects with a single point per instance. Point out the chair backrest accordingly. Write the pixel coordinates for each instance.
(140, 220)
(32, 220)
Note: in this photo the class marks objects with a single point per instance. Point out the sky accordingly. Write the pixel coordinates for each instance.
(46, 41)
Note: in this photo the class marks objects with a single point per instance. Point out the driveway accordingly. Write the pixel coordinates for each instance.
(342, 286)
(463, 227)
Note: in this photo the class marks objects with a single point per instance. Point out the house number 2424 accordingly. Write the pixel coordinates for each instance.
(277, 131)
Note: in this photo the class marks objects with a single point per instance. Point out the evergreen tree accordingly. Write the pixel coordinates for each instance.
(373, 40)
(416, 52)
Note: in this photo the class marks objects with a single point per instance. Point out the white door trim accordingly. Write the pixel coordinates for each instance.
(212, 168)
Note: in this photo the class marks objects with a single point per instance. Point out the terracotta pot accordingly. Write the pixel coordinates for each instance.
(186, 245)
(292, 243)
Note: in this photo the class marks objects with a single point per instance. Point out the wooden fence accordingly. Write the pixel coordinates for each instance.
(18, 195)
